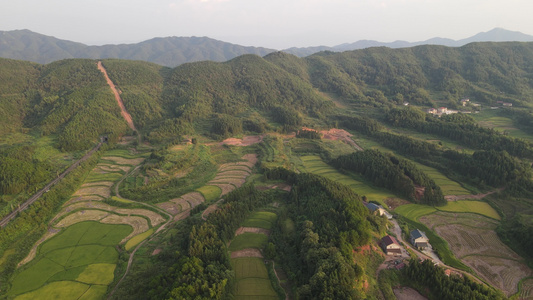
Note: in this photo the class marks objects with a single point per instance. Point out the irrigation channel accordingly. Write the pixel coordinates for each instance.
(47, 187)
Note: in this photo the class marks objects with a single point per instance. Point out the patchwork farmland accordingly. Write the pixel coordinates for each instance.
(473, 239)
(77, 257)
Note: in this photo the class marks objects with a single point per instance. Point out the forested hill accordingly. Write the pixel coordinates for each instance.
(169, 51)
(253, 94)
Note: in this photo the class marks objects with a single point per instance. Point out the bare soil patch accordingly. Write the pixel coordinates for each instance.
(233, 173)
(392, 203)
(406, 293)
(472, 238)
(84, 199)
(245, 141)
(226, 167)
(124, 161)
(182, 215)
(184, 204)
(112, 168)
(247, 253)
(242, 230)
(102, 191)
(194, 198)
(50, 233)
(156, 251)
(226, 188)
(335, 134)
(170, 207)
(212, 208)
(237, 182)
(98, 183)
(82, 216)
(473, 197)
(526, 291)
(138, 224)
(123, 110)
(504, 274)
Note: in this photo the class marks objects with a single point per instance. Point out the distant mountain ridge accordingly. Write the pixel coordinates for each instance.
(174, 51)
(168, 51)
(494, 35)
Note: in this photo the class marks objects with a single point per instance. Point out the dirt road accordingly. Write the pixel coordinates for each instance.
(123, 110)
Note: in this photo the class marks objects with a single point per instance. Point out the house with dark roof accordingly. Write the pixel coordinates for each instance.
(390, 245)
(419, 239)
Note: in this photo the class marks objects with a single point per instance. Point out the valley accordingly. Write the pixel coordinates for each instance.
(243, 180)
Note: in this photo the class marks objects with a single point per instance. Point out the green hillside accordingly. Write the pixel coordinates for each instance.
(367, 108)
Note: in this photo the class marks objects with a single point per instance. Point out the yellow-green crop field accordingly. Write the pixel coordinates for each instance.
(314, 164)
(252, 280)
(78, 262)
(260, 219)
(415, 211)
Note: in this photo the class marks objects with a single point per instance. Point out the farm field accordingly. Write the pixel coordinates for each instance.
(78, 255)
(260, 219)
(251, 275)
(493, 119)
(415, 211)
(81, 256)
(314, 164)
(229, 177)
(252, 280)
(473, 239)
(448, 186)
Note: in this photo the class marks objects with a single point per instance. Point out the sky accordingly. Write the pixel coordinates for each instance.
(277, 24)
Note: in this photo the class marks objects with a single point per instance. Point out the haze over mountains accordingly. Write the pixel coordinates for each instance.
(173, 51)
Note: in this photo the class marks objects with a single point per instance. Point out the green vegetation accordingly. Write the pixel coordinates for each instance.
(396, 174)
(210, 192)
(134, 241)
(414, 211)
(430, 279)
(78, 253)
(252, 279)
(477, 207)
(248, 240)
(260, 219)
(315, 165)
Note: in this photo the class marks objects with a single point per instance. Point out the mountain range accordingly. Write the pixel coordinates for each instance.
(173, 51)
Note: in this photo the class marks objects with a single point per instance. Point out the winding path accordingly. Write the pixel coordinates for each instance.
(161, 228)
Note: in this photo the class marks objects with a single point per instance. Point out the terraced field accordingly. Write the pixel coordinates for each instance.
(77, 257)
(229, 177)
(472, 238)
(251, 275)
(314, 164)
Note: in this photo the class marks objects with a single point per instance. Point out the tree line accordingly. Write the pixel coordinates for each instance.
(393, 173)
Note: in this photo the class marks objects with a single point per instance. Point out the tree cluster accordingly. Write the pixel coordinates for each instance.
(395, 174)
(427, 276)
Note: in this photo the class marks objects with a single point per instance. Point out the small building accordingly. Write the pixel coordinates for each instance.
(406, 104)
(432, 111)
(506, 104)
(390, 246)
(419, 239)
(378, 209)
(442, 110)
(464, 101)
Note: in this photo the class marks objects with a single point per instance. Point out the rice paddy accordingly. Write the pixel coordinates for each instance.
(79, 250)
(314, 164)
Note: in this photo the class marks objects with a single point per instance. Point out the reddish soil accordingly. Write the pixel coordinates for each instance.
(395, 202)
(405, 293)
(123, 110)
(245, 141)
(252, 252)
(335, 134)
(157, 251)
(242, 230)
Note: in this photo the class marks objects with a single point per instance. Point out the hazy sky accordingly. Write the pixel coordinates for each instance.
(275, 24)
